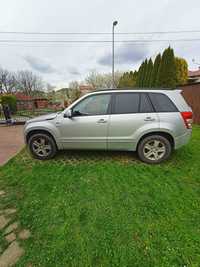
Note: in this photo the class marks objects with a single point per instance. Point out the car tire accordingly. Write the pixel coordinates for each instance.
(154, 149)
(42, 146)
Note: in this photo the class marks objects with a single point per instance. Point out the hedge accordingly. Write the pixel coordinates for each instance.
(9, 100)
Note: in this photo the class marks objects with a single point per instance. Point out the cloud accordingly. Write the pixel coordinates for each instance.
(125, 54)
(74, 71)
(39, 64)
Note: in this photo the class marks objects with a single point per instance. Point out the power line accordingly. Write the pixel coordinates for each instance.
(99, 33)
(100, 41)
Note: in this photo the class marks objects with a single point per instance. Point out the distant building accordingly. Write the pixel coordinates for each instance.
(41, 102)
(194, 76)
(24, 102)
(86, 89)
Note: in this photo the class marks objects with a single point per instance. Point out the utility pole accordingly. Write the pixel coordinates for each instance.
(113, 53)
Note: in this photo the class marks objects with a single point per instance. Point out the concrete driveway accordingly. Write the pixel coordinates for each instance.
(11, 141)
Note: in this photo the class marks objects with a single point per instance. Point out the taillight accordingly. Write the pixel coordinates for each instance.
(187, 117)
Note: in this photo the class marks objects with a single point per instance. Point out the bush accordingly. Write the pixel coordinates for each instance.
(9, 100)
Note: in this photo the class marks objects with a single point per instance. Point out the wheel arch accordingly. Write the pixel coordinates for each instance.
(167, 135)
(40, 131)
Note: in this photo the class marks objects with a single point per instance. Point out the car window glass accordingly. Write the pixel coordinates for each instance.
(93, 105)
(126, 103)
(162, 103)
(145, 105)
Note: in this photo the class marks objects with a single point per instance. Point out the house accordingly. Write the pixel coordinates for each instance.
(41, 102)
(194, 76)
(24, 102)
(86, 89)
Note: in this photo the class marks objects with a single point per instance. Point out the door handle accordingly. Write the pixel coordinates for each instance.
(101, 121)
(149, 119)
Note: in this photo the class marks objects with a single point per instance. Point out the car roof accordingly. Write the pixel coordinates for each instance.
(166, 91)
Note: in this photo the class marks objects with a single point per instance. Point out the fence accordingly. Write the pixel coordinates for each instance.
(191, 94)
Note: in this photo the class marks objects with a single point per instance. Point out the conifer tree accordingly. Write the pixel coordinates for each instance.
(167, 71)
(149, 72)
(181, 71)
(144, 73)
(155, 70)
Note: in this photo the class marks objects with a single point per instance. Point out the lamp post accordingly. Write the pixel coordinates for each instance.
(113, 53)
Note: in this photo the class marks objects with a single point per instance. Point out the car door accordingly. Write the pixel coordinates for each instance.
(88, 127)
(131, 115)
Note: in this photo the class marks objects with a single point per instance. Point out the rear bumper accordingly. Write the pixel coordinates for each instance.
(183, 139)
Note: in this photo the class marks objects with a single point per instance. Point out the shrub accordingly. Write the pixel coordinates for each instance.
(9, 100)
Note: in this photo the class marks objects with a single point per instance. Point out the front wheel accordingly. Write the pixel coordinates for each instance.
(42, 146)
(154, 149)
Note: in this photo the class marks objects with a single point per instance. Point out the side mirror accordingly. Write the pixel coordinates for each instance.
(68, 114)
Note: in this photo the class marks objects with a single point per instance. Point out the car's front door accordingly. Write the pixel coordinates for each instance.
(87, 129)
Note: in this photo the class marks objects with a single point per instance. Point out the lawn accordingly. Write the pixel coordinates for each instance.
(107, 209)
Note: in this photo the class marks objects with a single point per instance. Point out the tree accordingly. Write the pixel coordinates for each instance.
(154, 75)
(9, 100)
(167, 70)
(148, 71)
(102, 80)
(144, 73)
(29, 83)
(74, 91)
(181, 71)
(140, 75)
(7, 81)
(128, 80)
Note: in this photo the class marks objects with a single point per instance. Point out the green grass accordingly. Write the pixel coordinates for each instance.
(108, 209)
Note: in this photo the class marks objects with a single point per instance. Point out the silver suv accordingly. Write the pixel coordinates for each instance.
(151, 122)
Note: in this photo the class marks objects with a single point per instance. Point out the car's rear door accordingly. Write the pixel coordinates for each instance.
(132, 114)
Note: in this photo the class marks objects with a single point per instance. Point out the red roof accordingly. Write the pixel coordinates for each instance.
(23, 97)
(86, 87)
(194, 73)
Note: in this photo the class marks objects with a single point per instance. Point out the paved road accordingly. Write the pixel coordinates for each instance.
(11, 142)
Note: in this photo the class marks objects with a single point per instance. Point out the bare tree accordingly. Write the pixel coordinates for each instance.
(28, 82)
(74, 91)
(102, 80)
(7, 81)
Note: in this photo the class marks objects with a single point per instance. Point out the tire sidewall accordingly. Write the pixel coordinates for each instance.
(164, 140)
(49, 139)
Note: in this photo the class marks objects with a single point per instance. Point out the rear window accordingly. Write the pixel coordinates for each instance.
(126, 103)
(162, 103)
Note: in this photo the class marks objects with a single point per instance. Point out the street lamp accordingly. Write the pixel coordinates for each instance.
(113, 54)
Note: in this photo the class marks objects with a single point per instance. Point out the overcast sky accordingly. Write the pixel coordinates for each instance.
(60, 63)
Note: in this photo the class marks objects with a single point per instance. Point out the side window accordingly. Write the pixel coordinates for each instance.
(162, 103)
(145, 105)
(126, 103)
(93, 105)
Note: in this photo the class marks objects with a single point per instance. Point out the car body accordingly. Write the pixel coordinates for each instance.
(116, 120)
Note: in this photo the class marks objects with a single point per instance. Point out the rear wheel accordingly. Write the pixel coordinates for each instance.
(42, 146)
(154, 149)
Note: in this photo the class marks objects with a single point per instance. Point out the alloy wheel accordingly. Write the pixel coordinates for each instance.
(154, 150)
(41, 147)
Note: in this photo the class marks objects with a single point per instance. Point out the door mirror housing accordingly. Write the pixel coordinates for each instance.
(68, 114)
